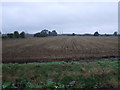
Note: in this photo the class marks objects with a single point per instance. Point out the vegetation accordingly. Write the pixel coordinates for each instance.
(45, 33)
(40, 35)
(73, 34)
(53, 33)
(67, 73)
(115, 34)
(10, 35)
(96, 34)
(14, 35)
(52, 75)
(22, 34)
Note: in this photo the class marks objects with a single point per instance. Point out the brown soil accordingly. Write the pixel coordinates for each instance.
(60, 48)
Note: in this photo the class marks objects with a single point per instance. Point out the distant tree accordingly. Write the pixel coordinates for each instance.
(40, 35)
(4, 36)
(50, 33)
(115, 33)
(10, 35)
(22, 34)
(37, 35)
(44, 33)
(54, 33)
(16, 34)
(73, 34)
(96, 34)
(0, 35)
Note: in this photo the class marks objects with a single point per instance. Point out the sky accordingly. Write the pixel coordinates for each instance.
(64, 17)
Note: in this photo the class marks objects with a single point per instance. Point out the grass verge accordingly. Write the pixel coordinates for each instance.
(97, 74)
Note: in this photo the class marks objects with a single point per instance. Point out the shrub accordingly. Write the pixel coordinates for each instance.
(16, 34)
(22, 34)
(96, 34)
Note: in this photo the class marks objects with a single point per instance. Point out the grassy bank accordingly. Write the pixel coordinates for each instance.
(97, 74)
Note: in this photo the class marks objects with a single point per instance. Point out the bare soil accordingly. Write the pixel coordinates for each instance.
(59, 48)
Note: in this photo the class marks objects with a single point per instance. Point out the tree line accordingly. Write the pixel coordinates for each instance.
(95, 34)
(46, 33)
(16, 34)
(43, 33)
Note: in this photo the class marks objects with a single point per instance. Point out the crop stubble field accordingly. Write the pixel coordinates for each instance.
(59, 48)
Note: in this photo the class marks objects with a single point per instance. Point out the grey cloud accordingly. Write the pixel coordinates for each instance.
(64, 17)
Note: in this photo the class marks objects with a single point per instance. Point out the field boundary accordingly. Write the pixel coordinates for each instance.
(90, 59)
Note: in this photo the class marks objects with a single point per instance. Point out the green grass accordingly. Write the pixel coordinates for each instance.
(97, 74)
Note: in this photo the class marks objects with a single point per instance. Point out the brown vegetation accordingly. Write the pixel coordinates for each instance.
(59, 48)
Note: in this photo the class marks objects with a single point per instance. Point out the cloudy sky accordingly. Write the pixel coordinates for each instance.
(64, 17)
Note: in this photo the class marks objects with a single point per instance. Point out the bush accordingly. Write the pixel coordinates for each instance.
(96, 34)
(16, 34)
(40, 35)
(22, 34)
(10, 35)
(4, 37)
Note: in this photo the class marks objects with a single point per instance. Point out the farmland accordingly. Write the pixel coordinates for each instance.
(38, 72)
(59, 48)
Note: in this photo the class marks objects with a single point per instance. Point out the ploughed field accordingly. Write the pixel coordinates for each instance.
(59, 48)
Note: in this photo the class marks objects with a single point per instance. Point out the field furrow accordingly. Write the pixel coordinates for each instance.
(60, 47)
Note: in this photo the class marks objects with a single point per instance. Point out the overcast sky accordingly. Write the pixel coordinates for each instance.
(79, 17)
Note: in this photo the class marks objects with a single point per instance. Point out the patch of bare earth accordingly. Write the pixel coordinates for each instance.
(73, 48)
